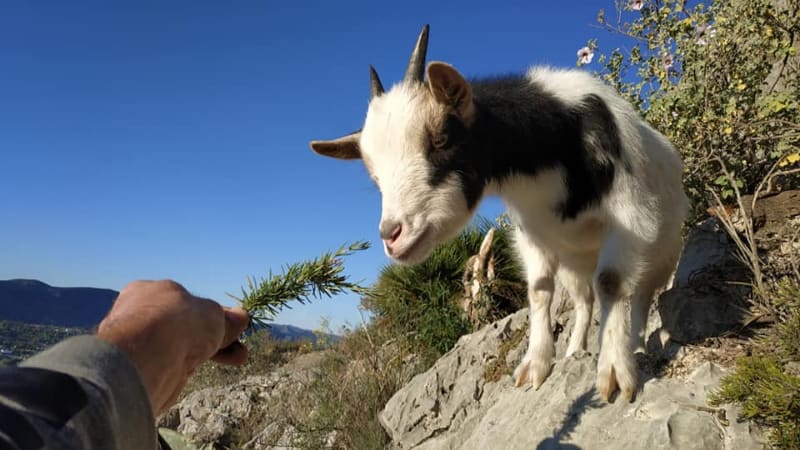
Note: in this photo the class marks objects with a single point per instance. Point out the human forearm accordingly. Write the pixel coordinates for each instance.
(83, 393)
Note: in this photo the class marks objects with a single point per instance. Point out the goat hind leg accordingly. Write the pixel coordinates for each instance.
(580, 292)
(614, 279)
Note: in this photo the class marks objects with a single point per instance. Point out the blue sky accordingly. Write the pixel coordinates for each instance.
(156, 139)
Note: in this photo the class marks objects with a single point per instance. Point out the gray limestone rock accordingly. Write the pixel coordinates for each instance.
(468, 400)
(453, 406)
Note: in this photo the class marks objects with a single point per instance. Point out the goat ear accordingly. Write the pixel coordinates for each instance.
(346, 147)
(450, 88)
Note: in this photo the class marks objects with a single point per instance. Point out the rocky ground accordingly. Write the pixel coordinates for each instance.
(224, 416)
(697, 329)
(457, 404)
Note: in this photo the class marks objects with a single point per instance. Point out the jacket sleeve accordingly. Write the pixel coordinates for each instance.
(83, 393)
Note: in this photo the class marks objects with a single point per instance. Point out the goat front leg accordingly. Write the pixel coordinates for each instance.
(538, 360)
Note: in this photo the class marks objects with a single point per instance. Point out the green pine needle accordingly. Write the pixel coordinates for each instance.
(300, 282)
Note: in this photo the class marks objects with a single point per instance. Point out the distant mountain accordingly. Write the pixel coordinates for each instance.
(292, 333)
(35, 302)
(32, 301)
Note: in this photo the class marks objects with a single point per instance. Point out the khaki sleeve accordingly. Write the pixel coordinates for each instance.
(83, 393)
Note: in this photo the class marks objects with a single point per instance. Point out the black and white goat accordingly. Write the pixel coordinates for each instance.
(595, 192)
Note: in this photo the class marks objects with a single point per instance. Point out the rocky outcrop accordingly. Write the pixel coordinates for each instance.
(454, 405)
(467, 400)
(709, 291)
(252, 413)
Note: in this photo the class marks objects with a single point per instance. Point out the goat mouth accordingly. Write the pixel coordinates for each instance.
(416, 250)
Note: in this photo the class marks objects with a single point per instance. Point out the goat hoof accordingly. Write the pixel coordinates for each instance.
(576, 352)
(611, 380)
(629, 395)
(606, 384)
(531, 371)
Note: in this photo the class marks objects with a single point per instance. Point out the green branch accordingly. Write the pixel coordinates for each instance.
(300, 282)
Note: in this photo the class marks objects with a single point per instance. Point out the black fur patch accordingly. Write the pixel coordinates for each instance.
(451, 150)
(590, 168)
(521, 129)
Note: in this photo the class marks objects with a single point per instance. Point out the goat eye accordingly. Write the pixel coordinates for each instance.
(439, 141)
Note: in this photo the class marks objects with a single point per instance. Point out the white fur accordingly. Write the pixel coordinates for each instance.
(632, 236)
(634, 233)
(390, 147)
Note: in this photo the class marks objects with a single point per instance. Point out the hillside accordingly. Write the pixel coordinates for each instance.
(282, 332)
(20, 340)
(35, 315)
(32, 301)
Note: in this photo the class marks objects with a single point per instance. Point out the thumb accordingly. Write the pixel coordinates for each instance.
(236, 321)
(232, 351)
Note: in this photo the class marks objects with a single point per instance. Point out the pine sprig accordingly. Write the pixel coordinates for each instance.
(300, 282)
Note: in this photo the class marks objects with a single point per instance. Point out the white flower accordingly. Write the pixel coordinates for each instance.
(704, 33)
(636, 5)
(667, 61)
(585, 55)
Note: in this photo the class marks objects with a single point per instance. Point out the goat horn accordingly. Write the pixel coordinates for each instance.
(375, 86)
(416, 65)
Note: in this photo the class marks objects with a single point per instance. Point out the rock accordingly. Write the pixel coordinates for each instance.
(467, 400)
(691, 315)
(215, 417)
(710, 289)
(453, 406)
(705, 299)
(706, 247)
(176, 441)
(211, 415)
(779, 239)
(772, 212)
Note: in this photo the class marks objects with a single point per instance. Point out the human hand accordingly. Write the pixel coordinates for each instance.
(168, 333)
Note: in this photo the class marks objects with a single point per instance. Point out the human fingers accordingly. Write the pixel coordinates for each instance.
(234, 354)
(236, 321)
(231, 351)
(172, 398)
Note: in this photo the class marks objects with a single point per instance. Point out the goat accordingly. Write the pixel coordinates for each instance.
(595, 193)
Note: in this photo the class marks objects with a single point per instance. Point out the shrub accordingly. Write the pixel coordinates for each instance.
(356, 378)
(419, 305)
(767, 384)
(720, 81)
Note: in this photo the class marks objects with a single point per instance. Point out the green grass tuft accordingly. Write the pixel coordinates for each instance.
(767, 384)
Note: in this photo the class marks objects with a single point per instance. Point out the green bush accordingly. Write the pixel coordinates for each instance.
(768, 395)
(419, 305)
(767, 383)
(720, 81)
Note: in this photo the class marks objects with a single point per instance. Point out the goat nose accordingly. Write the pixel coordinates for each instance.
(390, 230)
